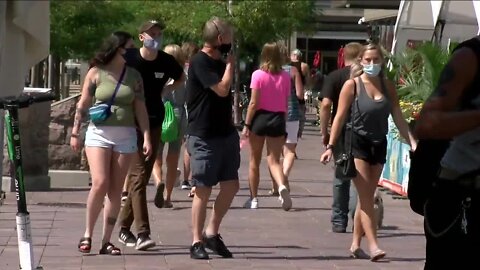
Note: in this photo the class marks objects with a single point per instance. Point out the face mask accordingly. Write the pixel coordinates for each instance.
(153, 44)
(372, 70)
(224, 48)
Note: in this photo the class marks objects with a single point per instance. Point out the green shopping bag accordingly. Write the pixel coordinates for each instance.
(170, 124)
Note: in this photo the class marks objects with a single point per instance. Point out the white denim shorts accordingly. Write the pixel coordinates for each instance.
(119, 139)
(292, 131)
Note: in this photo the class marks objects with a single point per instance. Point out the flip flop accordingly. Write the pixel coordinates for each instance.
(358, 253)
(377, 255)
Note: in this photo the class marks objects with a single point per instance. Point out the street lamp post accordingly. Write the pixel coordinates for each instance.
(236, 82)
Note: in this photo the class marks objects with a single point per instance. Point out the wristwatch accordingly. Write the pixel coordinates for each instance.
(329, 146)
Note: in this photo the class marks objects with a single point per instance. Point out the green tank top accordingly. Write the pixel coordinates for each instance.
(122, 108)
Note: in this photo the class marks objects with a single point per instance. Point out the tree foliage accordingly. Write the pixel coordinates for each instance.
(78, 27)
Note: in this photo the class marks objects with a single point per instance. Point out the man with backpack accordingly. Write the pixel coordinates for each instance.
(444, 183)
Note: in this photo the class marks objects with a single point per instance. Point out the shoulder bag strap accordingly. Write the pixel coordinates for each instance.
(110, 102)
(349, 149)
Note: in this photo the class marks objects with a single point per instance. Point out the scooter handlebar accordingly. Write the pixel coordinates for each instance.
(26, 99)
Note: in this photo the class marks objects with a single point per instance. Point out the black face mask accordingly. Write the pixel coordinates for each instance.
(224, 48)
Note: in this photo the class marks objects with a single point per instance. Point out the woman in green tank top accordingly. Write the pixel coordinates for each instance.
(111, 144)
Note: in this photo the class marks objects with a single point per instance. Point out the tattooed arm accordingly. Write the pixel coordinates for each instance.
(83, 104)
(438, 120)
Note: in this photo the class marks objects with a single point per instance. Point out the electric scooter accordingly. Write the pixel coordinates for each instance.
(11, 105)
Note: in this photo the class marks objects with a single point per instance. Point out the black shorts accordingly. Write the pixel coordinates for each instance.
(213, 160)
(373, 152)
(270, 124)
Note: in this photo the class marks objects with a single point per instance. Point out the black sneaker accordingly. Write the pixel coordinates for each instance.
(158, 201)
(215, 244)
(185, 185)
(198, 252)
(127, 238)
(144, 242)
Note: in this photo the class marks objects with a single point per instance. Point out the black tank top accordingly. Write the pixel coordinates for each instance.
(298, 65)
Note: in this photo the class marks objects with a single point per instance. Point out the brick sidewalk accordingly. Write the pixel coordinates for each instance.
(265, 238)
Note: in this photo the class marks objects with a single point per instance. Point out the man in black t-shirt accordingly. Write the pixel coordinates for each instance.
(342, 190)
(213, 142)
(156, 68)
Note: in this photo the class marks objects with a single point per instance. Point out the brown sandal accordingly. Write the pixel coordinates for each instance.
(85, 245)
(110, 249)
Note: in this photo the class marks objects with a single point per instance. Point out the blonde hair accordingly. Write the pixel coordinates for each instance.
(176, 52)
(271, 59)
(357, 68)
(352, 50)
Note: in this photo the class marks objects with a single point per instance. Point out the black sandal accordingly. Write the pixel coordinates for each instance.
(110, 249)
(85, 245)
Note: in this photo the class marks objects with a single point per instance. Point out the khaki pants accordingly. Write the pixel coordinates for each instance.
(138, 176)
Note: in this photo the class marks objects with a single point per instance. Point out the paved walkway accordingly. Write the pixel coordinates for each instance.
(265, 238)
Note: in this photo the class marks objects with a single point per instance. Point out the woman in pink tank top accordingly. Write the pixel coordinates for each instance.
(265, 121)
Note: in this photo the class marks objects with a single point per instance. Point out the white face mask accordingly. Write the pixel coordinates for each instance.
(372, 70)
(154, 44)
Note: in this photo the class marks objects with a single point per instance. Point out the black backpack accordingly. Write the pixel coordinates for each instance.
(425, 161)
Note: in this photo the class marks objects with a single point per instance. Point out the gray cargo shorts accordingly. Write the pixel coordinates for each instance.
(213, 160)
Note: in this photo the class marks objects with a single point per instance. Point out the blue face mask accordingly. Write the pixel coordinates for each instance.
(154, 44)
(372, 70)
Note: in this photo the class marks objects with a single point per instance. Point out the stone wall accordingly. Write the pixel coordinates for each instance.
(60, 155)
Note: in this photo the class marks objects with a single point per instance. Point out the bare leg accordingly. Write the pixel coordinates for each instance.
(172, 164)
(99, 161)
(274, 150)
(288, 160)
(186, 166)
(228, 189)
(366, 184)
(256, 145)
(118, 171)
(157, 167)
(199, 211)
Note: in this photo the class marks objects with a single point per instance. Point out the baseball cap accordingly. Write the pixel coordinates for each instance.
(149, 24)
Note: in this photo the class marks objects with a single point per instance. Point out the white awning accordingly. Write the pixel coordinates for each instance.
(416, 21)
(371, 15)
(24, 41)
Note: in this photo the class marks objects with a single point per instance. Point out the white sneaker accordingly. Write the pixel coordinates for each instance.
(285, 198)
(251, 203)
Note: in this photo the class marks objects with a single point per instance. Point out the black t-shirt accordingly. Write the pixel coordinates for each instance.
(209, 115)
(155, 74)
(333, 85)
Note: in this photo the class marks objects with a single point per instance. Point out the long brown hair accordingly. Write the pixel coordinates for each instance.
(109, 48)
(357, 68)
(271, 59)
